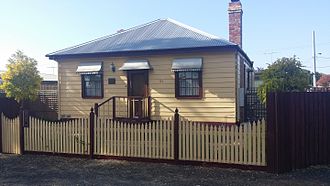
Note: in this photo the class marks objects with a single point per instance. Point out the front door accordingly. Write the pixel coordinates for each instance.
(137, 91)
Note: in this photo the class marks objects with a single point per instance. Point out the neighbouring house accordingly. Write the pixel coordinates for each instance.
(148, 71)
(49, 81)
(257, 77)
(324, 81)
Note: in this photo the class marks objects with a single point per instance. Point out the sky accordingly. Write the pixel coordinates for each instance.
(271, 29)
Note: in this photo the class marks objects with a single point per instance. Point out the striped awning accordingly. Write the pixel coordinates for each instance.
(89, 68)
(136, 65)
(187, 64)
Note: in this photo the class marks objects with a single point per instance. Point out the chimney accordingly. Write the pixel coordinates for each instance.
(235, 22)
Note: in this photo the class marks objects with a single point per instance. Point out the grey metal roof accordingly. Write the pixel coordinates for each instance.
(139, 64)
(157, 35)
(191, 64)
(48, 77)
(89, 67)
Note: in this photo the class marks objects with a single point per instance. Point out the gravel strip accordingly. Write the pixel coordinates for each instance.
(54, 170)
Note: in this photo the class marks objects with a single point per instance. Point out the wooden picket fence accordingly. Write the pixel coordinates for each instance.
(172, 139)
(144, 140)
(71, 137)
(243, 144)
(10, 130)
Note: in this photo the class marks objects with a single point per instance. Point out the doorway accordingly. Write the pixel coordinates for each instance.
(138, 91)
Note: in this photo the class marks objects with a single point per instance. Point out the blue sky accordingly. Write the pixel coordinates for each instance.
(271, 29)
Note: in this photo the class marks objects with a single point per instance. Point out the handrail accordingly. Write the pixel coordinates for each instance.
(97, 106)
(106, 101)
(147, 99)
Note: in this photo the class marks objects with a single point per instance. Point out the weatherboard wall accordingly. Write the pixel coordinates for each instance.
(219, 92)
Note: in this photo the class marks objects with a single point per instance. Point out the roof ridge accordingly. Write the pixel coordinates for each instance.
(106, 37)
(193, 29)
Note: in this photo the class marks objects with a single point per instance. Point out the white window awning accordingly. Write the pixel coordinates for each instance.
(89, 68)
(187, 64)
(136, 65)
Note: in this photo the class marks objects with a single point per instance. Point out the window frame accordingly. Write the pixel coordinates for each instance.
(83, 87)
(177, 86)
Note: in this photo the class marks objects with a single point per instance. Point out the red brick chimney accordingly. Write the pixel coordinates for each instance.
(235, 22)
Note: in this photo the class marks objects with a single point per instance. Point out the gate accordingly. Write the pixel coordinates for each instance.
(10, 135)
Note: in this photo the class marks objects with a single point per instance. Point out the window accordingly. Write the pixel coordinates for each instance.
(188, 84)
(92, 85)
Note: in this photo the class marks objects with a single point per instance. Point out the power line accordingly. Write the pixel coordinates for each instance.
(323, 57)
(293, 47)
(324, 67)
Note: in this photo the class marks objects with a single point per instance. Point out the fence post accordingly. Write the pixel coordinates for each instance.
(91, 132)
(96, 109)
(0, 132)
(176, 134)
(21, 128)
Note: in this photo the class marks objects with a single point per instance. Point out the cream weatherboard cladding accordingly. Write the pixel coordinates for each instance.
(219, 92)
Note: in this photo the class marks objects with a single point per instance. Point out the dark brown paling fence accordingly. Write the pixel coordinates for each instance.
(298, 130)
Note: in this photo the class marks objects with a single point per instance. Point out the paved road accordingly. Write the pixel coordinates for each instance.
(52, 170)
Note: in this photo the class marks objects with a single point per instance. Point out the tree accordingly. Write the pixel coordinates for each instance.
(21, 81)
(284, 75)
(318, 75)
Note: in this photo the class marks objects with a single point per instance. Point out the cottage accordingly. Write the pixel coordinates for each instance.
(147, 71)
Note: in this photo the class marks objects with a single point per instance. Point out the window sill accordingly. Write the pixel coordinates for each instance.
(199, 97)
(96, 97)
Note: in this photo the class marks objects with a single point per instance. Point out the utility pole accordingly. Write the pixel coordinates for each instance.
(314, 61)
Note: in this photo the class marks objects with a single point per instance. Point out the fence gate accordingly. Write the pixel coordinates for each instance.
(10, 137)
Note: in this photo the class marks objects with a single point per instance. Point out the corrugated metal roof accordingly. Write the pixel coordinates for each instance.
(192, 64)
(48, 77)
(136, 65)
(89, 67)
(157, 35)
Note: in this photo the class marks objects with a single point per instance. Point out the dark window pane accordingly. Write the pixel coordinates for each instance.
(92, 85)
(188, 84)
(195, 74)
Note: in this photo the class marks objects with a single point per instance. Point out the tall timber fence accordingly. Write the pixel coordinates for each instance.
(298, 130)
(174, 139)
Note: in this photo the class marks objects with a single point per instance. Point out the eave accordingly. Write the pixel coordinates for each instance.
(212, 49)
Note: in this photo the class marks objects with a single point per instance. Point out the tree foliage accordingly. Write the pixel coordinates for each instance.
(21, 80)
(318, 75)
(284, 75)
